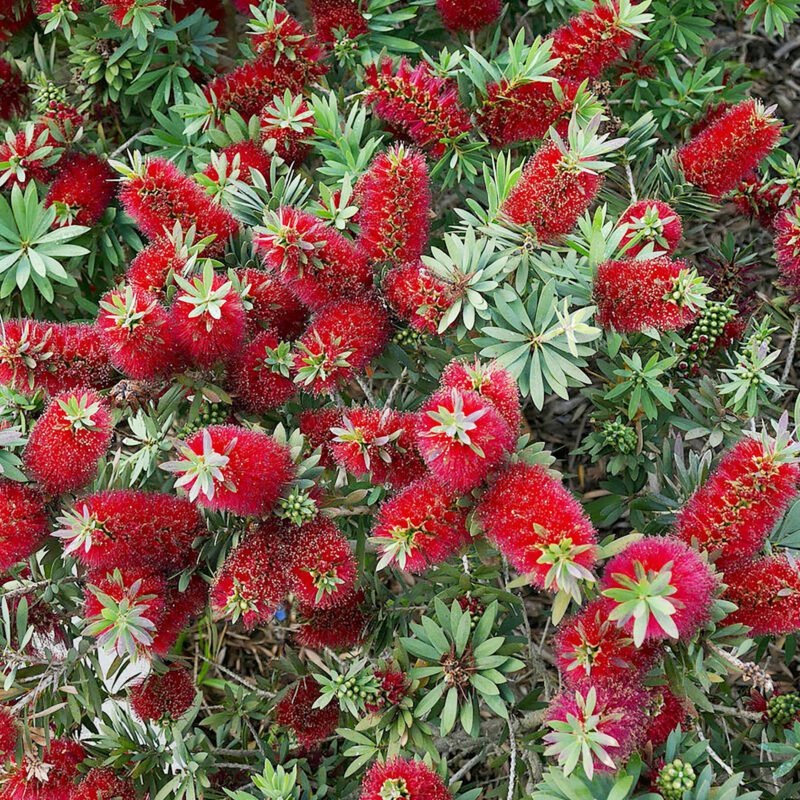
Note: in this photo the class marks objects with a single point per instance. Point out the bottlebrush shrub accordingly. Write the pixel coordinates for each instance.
(417, 373)
(633, 295)
(68, 441)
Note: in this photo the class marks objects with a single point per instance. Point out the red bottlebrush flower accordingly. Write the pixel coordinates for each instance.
(595, 39)
(379, 443)
(68, 441)
(314, 260)
(253, 580)
(53, 358)
(101, 783)
(51, 777)
(395, 207)
(181, 608)
(719, 157)
(23, 522)
(661, 589)
(337, 15)
(120, 10)
(393, 688)
(462, 437)
(14, 16)
(490, 381)
(592, 650)
(471, 15)
(152, 266)
(540, 527)
(520, 112)
(419, 103)
(339, 628)
(652, 293)
(135, 330)
(711, 115)
(129, 528)
(228, 468)
(158, 195)
(81, 191)
(236, 161)
(664, 712)
(322, 568)
(164, 698)
(286, 124)
(13, 89)
(341, 340)
(270, 305)
(417, 296)
(27, 156)
(258, 376)
(756, 198)
(315, 424)
(787, 247)
(403, 778)
(281, 40)
(296, 711)
(550, 195)
(9, 733)
(651, 221)
(767, 592)
(420, 527)
(732, 514)
(610, 719)
(208, 318)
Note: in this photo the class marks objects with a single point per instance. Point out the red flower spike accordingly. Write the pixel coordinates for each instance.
(661, 589)
(420, 527)
(129, 528)
(135, 330)
(296, 712)
(180, 610)
(651, 221)
(157, 195)
(759, 199)
(120, 10)
(101, 783)
(395, 207)
(51, 777)
(151, 267)
(286, 124)
(541, 528)
(417, 296)
(665, 711)
(228, 468)
(164, 698)
(270, 305)
(337, 15)
(208, 318)
(519, 112)
(30, 154)
(51, 357)
(732, 514)
(403, 778)
(339, 628)
(23, 522)
(315, 261)
(469, 15)
(462, 437)
(787, 248)
(379, 443)
(393, 688)
(591, 650)
(315, 424)
(595, 39)
(767, 592)
(721, 155)
(253, 580)
(322, 568)
(81, 191)
(490, 381)
(419, 103)
(235, 162)
(550, 197)
(13, 90)
(652, 293)
(9, 733)
(341, 341)
(181, 9)
(68, 441)
(609, 719)
(259, 375)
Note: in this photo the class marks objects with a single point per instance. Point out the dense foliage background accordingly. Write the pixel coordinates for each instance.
(398, 399)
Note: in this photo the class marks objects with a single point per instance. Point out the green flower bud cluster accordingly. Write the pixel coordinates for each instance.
(210, 414)
(674, 779)
(705, 334)
(782, 709)
(619, 437)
